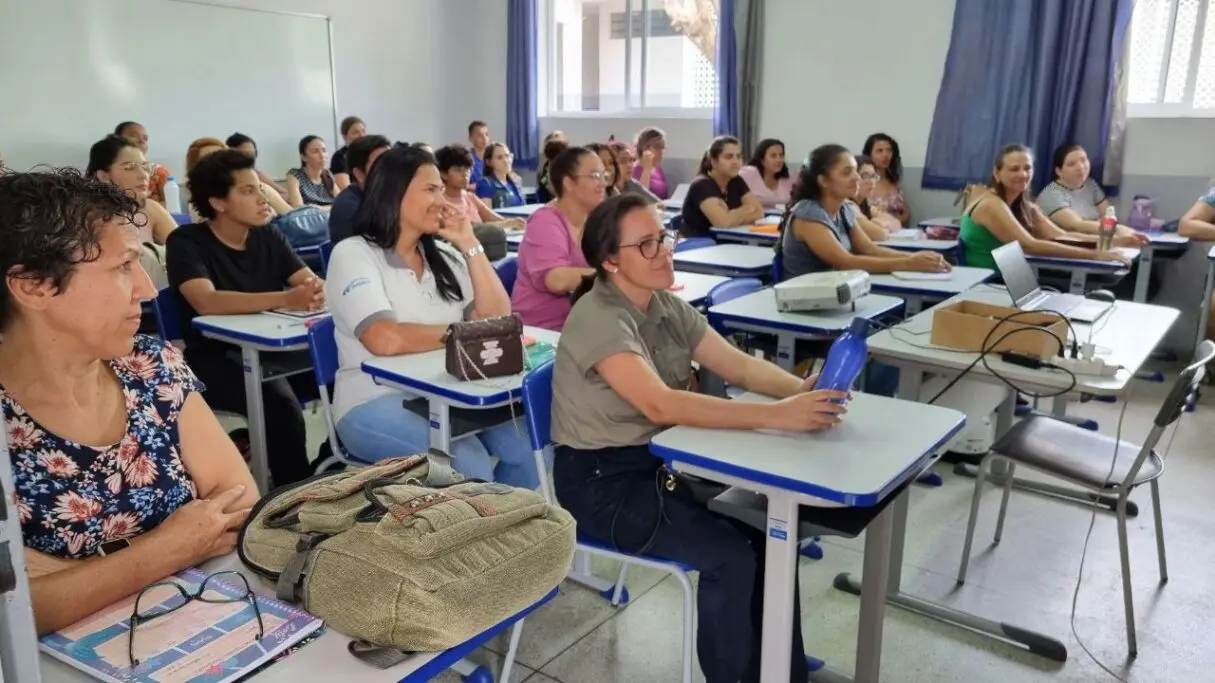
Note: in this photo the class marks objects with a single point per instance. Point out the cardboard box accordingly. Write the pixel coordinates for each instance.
(966, 324)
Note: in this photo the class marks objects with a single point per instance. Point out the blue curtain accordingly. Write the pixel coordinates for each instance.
(522, 78)
(1038, 72)
(725, 115)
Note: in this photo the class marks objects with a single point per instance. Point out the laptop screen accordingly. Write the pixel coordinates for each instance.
(1018, 276)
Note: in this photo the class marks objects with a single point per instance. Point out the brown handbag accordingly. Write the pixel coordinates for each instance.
(482, 349)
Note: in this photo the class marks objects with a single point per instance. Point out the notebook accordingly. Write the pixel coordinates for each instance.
(199, 643)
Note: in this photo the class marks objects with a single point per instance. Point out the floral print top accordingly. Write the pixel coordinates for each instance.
(71, 498)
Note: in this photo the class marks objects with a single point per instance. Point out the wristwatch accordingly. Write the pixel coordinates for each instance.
(473, 251)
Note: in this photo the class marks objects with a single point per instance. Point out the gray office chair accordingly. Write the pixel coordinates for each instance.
(1084, 458)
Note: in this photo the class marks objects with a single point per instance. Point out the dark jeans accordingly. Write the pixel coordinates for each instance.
(612, 492)
(286, 437)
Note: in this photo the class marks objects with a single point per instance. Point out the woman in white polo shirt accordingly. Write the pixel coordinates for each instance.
(395, 288)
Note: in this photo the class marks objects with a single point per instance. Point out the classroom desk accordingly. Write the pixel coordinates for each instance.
(916, 292)
(939, 246)
(745, 235)
(1204, 306)
(756, 312)
(695, 286)
(326, 658)
(943, 222)
(1129, 332)
(880, 445)
(513, 239)
(310, 250)
(1159, 242)
(1080, 269)
(255, 334)
(729, 260)
(524, 211)
(676, 206)
(425, 374)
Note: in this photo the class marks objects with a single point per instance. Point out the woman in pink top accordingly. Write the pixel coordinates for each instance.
(767, 174)
(455, 165)
(551, 263)
(651, 143)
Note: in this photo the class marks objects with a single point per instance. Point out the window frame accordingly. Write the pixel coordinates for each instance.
(1185, 108)
(548, 88)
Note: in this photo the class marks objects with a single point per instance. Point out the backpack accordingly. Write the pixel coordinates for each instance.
(306, 226)
(406, 556)
(493, 238)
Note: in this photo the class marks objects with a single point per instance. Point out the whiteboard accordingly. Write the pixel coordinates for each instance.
(71, 70)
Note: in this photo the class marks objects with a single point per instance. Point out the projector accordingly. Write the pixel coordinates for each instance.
(821, 291)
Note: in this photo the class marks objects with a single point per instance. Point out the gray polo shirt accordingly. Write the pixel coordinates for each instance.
(587, 412)
(1083, 200)
(796, 256)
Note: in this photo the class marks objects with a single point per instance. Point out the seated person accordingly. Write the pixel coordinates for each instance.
(873, 220)
(823, 232)
(311, 184)
(137, 135)
(1001, 213)
(352, 128)
(498, 184)
(1074, 201)
(122, 473)
(651, 146)
(233, 262)
(360, 157)
(554, 144)
(611, 167)
(115, 160)
(767, 174)
(887, 195)
(478, 145)
(626, 161)
(200, 148)
(718, 198)
(246, 144)
(1199, 222)
(454, 164)
(551, 264)
(412, 268)
(622, 374)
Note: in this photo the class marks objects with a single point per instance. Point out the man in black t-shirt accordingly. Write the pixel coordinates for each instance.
(232, 263)
(352, 128)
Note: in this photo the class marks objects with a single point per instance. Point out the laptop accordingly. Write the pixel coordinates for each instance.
(1023, 287)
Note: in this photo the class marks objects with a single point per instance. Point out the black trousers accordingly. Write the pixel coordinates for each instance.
(286, 436)
(612, 495)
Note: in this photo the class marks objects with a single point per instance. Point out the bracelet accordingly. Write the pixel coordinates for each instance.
(473, 251)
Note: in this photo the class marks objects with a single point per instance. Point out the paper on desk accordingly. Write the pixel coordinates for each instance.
(913, 275)
(907, 234)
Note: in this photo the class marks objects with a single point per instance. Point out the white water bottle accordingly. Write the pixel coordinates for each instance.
(172, 195)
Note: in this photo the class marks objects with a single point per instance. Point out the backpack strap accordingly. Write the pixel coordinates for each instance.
(291, 579)
(378, 656)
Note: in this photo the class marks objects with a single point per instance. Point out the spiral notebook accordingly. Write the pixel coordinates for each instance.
(199, 643)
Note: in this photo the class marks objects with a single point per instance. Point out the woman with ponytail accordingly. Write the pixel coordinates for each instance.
(719, 198)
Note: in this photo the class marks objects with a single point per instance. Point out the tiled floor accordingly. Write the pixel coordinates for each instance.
(1027, 580)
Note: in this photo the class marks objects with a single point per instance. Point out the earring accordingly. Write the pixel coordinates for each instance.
(611, 269)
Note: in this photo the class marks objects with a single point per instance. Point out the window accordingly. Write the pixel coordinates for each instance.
(1171, 57)
(614, 57)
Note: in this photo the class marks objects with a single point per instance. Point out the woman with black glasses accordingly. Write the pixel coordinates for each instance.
(123, 474)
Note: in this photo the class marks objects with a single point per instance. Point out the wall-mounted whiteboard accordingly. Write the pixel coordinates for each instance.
(70, 70)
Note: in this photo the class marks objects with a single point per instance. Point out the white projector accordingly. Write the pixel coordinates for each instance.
(821, 291)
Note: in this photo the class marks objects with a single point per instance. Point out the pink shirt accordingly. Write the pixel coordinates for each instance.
(547, 243)
(468, 202)
(771, 199)
(658, 181)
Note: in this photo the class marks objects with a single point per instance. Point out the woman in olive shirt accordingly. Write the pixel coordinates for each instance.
(622, 374)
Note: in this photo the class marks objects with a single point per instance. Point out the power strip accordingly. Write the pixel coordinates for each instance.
(1081, 366)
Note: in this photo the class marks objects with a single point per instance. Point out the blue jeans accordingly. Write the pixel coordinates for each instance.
(383, 428)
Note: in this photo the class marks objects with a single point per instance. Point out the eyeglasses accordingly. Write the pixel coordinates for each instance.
(869, 176)
(650, 247)
(601, 176)
(207, 592)
(132, 166)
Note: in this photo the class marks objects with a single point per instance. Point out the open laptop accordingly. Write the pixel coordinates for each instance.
(1023, 287)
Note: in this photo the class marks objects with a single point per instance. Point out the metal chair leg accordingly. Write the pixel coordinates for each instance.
(619, 589)
(1128, 600)
(1164, 566)
(689, 623)
(980, 481)
(511, 651)
(1008, 486)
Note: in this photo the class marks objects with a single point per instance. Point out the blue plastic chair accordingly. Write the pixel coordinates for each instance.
(326, 250)
(322, 348)
(778, 267)
(694, 243)
(732, 289)
(537, 391)
(508, 270)
(168, 322)
(182, 218)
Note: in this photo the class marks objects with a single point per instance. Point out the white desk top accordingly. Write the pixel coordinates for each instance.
(1125, 336)
(961, 278)
(676, 205)
(326, 654)
(879, 445)
(696, 286)
(254, 329)
(944, 222)
(943, 246)
(1089, 265)
(514, 238)
(759, 309)
(738, 260)
(746, 233)
(426, 373)
(1164, 239)
(518, 211)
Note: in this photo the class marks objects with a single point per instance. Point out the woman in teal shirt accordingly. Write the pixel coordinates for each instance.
(1001, 213)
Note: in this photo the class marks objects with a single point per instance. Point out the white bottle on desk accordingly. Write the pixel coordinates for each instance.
(172, 195)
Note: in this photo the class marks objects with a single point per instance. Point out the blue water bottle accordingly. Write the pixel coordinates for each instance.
(846, 358)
